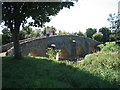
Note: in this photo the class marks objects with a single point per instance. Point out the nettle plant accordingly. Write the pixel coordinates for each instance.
(52, 53)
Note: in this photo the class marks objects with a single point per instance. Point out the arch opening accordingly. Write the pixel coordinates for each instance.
(79, 51)
(34, 53)
(63, 55)
(91, 49)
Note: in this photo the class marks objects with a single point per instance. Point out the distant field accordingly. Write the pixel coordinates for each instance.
(97, 70)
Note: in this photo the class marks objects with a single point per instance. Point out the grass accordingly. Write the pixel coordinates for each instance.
(104, 64)
(97, 70)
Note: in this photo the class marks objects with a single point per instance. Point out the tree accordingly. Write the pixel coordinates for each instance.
(113, 22)
(114, 26)
(22, 35)
(98, 37)
(63, 33)
(106, 33)
(38, 33)
(25, 33)
(29, 33)
(90, 32)
(15, 14)
(79, 33)
(6, 36)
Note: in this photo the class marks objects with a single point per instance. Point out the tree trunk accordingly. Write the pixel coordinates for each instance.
(15, 34)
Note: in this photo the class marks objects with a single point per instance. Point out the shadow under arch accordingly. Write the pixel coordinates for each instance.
(79, 51)
(91, 49)
(34, 53)
(63, 54)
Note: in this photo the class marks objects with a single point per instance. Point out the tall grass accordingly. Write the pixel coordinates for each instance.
(104, 64)
(97, 70)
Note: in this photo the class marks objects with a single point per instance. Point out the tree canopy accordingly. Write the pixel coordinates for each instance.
(106, 33)
(39, 11)
(15, 14)
(90, 32)
(98, 37)
(114, 26)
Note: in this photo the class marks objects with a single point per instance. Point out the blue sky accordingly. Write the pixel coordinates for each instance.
(84, 14)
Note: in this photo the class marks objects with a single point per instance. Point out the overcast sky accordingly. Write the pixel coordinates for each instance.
(85, 14)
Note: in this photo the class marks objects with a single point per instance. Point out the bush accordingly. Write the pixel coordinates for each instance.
(90, 32)
(98, 37)
(52, 53)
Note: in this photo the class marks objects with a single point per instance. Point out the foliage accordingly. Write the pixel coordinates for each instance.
(111, 46)
(15, 14)
(52, 53)
(38, 33)
(106, 34)
(114, 26)
(28, 32)
(6, 36)
(63, 33)
(25, 33)
(112, 37)
(105, 63)
(117, 35)
(90, 32)
(113, 22)
(98, 37)
(79, 33)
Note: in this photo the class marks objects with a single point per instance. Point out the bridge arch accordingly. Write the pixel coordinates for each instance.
(63, 54)
(79, 51)
(37, 46)
(35, 53)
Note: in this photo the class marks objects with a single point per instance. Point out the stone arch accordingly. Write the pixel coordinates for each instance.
(63, 54)
(79, 51)
(35, 53)
(91, 49)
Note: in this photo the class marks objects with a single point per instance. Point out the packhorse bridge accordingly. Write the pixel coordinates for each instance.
(71, 46)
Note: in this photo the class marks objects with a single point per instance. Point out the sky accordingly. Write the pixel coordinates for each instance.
(84, 14)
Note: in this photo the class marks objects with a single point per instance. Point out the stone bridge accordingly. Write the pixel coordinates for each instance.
(70, 46)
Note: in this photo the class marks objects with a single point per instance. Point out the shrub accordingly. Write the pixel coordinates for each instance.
(52, 53)
(98, 37)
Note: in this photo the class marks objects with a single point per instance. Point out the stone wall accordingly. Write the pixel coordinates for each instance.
(37, 47)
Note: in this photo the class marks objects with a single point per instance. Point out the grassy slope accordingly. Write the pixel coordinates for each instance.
(98, 70)
(104, 64)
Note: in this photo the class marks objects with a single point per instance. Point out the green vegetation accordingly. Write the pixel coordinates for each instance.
(90, 31)
(97, 70)
(16, 14)
(98, 37)
(106, 34)
(25, 33)
(79, 33)
(52, 52)
(105, 64)
(6, 36)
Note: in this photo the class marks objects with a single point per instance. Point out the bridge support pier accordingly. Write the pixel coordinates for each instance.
(73, 50)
